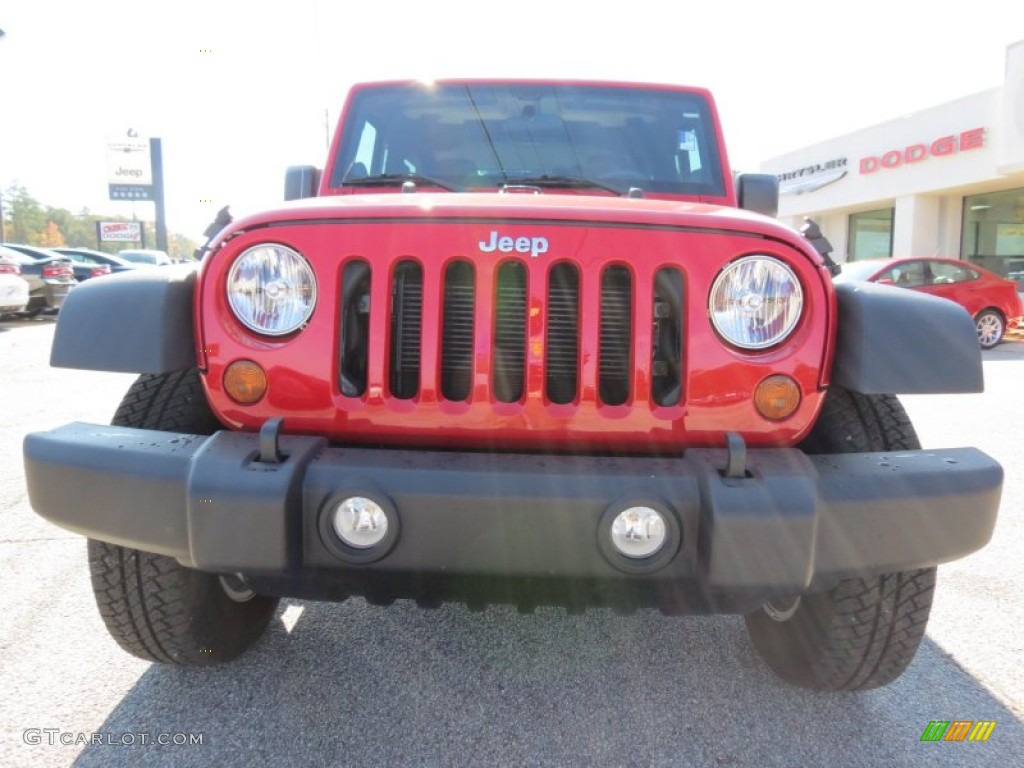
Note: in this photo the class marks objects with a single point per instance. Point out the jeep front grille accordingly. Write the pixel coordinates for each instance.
(548, 306)
(616, 335)
(457, 331)
(561, 352)
(510, 333)
(406, 324)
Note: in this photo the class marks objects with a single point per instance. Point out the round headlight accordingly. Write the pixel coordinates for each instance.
(271, 289)
(755, 302)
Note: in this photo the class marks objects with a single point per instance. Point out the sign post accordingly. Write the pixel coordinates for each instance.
(156, 153)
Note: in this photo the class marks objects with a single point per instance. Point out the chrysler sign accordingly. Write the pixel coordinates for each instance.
(811, 177)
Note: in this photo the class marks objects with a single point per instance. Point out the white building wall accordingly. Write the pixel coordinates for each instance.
(1011, 149)
(864, 189)
(916, 226)
(949, 223)
(934, 158)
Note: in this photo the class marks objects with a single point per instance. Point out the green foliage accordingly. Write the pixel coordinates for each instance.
(28, 221)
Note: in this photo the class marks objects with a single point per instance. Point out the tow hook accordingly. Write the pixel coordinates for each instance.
(736, 464)
(270, 451)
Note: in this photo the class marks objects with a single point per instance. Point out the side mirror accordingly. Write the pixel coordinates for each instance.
(885, 281)
(758, 192)
(301, 181)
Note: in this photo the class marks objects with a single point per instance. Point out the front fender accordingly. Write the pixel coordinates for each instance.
(897, 341)
(129, 322)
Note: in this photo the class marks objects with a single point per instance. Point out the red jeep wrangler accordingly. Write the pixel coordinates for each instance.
(523, 342)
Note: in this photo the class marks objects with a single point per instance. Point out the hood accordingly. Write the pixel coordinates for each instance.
(584, 210)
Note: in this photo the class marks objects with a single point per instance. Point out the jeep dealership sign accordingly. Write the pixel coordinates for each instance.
(129, 169)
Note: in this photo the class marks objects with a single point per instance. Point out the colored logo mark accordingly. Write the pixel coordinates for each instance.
(958, 730)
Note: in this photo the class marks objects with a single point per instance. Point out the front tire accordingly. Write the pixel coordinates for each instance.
(158, 610)
(154, 607)
(864, 632)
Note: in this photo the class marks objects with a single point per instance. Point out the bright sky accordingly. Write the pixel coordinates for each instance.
(785, 74)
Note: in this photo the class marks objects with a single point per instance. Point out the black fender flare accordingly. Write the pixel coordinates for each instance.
(130, 322)
(896, 341)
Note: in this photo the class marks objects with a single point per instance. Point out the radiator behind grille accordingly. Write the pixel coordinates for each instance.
(616, 335)
(406, 329)
(457, 331)
(510, 333)
(562, 347)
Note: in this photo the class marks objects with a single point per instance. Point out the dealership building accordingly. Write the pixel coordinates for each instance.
(947, 181)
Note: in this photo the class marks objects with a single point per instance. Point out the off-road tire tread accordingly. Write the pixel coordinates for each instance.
(155, 608)
(864, 632)
(172, 402)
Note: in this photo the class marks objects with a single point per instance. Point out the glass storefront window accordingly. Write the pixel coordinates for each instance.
(993, 232)
(870, 235)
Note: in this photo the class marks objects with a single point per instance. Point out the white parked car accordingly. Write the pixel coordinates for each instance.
(13, 287)
(145, 256)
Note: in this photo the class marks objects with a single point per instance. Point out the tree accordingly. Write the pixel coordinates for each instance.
(27, 219)
(51, 237)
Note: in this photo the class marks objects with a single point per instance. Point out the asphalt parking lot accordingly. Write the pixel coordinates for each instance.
(353, 684)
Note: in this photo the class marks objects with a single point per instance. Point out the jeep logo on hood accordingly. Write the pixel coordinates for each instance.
(534, 246)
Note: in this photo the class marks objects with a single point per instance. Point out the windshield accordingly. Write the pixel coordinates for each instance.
(489, 135)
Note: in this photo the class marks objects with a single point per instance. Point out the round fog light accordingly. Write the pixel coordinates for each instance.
(638, 532)
(360, 522)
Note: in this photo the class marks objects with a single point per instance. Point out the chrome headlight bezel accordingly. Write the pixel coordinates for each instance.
(272, 268)
(746, 278)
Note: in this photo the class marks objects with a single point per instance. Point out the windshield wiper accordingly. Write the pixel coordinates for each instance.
(391, 179)
(566, 182)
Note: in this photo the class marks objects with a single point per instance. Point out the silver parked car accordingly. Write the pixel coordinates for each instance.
(49, 279)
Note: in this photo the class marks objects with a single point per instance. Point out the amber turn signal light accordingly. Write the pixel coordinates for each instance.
(245, 382)
(777, 397)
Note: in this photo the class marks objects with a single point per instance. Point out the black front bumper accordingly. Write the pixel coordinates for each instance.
(790, 523)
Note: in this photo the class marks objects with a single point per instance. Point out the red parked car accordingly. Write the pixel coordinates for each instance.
(991, 300)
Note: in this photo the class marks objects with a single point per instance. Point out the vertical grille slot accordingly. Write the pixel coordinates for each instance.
(562, 346)
(510, 332)
(667, 349)
(406, 329)
(457, 330)
(616, 335)
(355, 328)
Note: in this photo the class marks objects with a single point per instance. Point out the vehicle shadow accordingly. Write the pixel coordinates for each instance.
(354, 684)
(11, 322)
(1008, 349)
